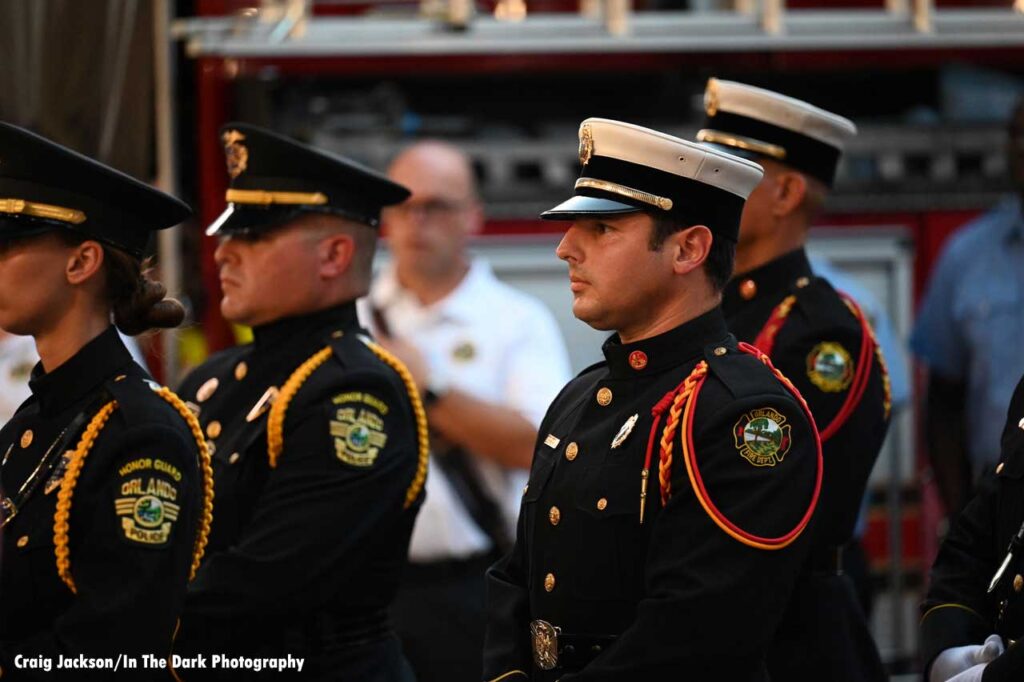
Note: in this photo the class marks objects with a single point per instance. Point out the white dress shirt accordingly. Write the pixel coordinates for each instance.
(495, 343)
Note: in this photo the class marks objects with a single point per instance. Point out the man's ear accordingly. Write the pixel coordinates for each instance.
(789, 193)
(84, 262)
(690, 248)
(334, 254)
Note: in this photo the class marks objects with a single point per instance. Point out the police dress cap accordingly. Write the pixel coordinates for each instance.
(627, 168)
(274, 179)
(759, 123)
(46, 187)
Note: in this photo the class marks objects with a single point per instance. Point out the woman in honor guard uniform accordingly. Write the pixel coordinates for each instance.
(974, 610)
(106, 505)
(319, 436)
(822, 341)
(673, 483)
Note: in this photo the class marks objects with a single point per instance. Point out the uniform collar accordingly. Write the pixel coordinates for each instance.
(669, 349)
(82, 374)
(772, 277)
(312, 328)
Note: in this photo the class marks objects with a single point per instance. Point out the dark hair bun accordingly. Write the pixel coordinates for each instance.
(139, 303)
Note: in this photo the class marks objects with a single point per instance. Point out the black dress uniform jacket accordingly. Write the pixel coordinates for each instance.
(304, 558)
(959, 609)
(132, 522)
(675, 596)
(818, 347)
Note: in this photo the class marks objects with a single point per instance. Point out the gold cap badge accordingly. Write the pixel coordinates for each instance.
(586, 145)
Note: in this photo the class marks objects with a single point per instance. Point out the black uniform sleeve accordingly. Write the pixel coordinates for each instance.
(698, 577)
(956, 609)
(349, 457)
(132, 530)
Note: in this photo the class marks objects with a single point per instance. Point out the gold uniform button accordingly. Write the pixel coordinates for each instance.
(525, 488)
(337, 334)
(549, 582)
(26, 438)
(554, 516)
(604, 397)
(720, 351)
(241, 369)
(999, 468)
(213, 429)
(207, 389)
(602, 504)
(22, 541)
(120, 377)
(571, 450)
(234, 458)
(1018, 583)
(802, 282)
(748, 289)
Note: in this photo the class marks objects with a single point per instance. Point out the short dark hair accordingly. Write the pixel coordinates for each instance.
(719, 263)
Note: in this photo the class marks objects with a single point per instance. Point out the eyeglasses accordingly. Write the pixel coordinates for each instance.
(432, 209)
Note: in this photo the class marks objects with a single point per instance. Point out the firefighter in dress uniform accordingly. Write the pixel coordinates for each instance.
(822, 341)
(673, 483)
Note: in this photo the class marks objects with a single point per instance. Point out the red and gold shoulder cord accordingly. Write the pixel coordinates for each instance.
(869, 351)
(680, 403)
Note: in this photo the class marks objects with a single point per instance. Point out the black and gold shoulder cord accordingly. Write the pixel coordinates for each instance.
(77, 461)
(275, 422)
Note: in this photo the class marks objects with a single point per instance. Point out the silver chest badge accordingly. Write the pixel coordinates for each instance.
(624, 432)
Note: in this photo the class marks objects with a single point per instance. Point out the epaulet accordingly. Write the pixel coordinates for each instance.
(678, 406)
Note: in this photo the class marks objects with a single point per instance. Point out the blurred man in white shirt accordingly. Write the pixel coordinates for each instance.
(488, 360)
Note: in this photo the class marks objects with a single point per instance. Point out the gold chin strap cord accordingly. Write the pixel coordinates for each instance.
(77, 461)
(275, 422)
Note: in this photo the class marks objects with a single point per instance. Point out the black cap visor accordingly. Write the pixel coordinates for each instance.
(588, 207)
(239, 219)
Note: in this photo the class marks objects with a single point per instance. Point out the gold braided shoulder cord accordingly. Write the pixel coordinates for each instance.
(422, 435)
(275, 422)
(77, 461)
(67, 489)
(206, 469)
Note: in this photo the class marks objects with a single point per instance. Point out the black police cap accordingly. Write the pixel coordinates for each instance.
(45, 186)
(274, 179)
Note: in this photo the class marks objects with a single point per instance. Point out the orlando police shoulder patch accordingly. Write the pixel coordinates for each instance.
(830, 367)
(763, 437)
(148, 504)
(358, 428)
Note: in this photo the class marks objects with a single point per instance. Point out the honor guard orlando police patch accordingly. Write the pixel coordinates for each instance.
(358, 428)
(148, 503)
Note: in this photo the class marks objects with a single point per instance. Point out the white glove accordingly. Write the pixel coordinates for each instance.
(964, 659)
(970, 675)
